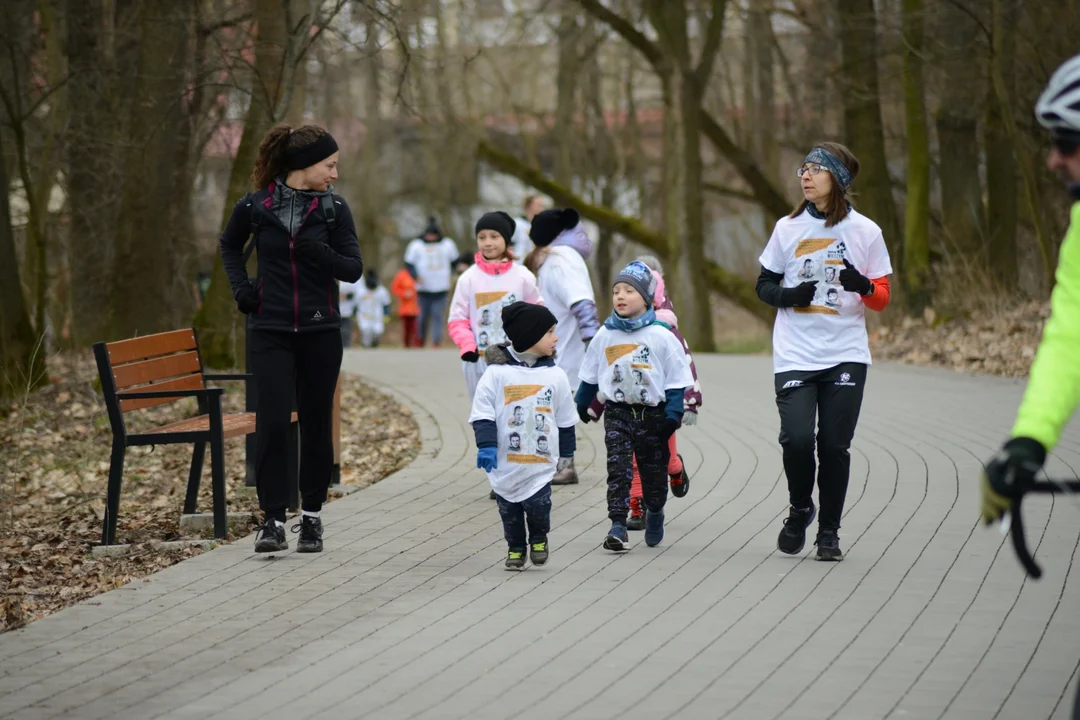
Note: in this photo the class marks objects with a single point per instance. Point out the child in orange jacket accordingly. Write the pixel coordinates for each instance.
(404, 289)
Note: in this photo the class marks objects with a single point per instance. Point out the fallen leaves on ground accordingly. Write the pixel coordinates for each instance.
(1003, 343)
(54, 463)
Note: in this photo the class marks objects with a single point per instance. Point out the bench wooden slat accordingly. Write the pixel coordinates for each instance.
(150, 346)
(233, 425)
(162, 368)
(189, 382)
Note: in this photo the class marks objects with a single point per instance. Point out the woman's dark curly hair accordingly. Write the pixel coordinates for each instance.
(270, 163)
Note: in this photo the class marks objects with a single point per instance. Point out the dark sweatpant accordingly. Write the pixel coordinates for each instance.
(635, 430)
(835, 396)
(533, 512)
(307, 365)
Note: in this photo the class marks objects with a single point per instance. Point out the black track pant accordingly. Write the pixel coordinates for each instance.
(307, 365)
(834, 397)
(629, 431)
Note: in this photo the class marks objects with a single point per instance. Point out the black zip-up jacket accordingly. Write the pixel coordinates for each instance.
(296, 293)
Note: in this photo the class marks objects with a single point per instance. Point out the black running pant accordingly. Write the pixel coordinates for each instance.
(629, 431)
(833, 397)
(304, 365)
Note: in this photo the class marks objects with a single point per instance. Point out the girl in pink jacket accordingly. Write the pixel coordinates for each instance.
(483, 291)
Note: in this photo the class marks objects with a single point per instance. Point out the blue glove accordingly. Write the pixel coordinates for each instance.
(487, 458)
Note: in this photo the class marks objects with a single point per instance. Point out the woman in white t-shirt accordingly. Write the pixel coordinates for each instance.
(823, 265)
(432, 257)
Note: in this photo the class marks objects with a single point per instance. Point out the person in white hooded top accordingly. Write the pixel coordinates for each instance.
(562, 247)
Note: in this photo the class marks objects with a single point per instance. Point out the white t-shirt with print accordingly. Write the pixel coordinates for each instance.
(371, 303)
(481, 297)
(348, 293)
(521, 242)
(636, 367)
(528, 405)
(433, 262)
(564, 281)
(833, 329)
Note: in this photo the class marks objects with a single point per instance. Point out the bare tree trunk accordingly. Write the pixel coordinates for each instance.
(1001, 168)
(862, 116)
(22, 358)
(143, 295)
(373, 201)
(90, 152)
(962, 93)
(761, 38)
(916, 259)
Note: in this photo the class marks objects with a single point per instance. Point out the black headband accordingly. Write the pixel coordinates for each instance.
(304, 157)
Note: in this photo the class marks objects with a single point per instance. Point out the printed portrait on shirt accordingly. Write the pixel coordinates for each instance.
(515, 442)
(517, 418)
(483, 340)
(620, 396)
(616, 374)
(644, 396)
(542, 446)
(540, 422)
(531, 418)
(832, 298)
(639, 378)
(808, 269)
(485, 317)
(831, 276)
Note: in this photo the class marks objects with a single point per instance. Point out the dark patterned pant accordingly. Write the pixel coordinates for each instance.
(534, 512)
(631, 430)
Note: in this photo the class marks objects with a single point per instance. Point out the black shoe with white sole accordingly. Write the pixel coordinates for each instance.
(270, 537)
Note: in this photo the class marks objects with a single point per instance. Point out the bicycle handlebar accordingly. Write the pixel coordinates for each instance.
(1016, 529)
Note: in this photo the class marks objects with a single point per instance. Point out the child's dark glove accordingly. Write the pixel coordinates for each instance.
(583, 413)
(668, 428)
(470, 356)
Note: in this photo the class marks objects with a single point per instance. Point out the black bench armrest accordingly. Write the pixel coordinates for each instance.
(227, 376)
(138, 395)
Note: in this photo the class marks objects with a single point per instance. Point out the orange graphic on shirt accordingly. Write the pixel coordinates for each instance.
(527, 459)
(486, 298)
(815, 310)
(515, 393)
(812, 245)
(615, 352)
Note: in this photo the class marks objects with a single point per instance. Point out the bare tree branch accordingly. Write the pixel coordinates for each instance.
(713, 36)
(625, 29)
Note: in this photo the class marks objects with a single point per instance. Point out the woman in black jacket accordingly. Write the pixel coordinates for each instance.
(306, 239)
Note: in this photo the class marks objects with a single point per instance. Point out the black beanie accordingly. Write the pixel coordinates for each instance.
(433, 228)
(498, 221)
(547, 225)
(525, 323)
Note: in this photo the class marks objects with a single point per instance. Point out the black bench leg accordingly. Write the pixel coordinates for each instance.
(112, 498)
(198, 452)
(217, 469)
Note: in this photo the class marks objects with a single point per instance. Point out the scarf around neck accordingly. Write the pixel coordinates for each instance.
(618, 322)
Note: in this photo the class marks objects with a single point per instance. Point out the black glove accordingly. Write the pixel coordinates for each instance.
(315, 251)
(583, 413)
(1008, 473)
(470, 356)
(247, 300)
(668, 428)
(800, 295)
(854, 281)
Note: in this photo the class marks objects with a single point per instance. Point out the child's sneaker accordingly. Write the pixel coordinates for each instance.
(654, 528)
(538, 552)
(636, 521)
(617, 539)
(680, 484)
(515, 559)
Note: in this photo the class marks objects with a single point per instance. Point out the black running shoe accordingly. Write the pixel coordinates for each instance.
(538, 552)
(680, 484)
(793, 537)
(828, 546)
(492, 495)
(515, 559)
(270, 537)
(310, 529)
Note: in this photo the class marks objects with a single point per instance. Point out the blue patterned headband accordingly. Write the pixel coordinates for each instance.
(830, 162)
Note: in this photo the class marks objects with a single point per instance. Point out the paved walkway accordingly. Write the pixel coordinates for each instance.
(408, 613)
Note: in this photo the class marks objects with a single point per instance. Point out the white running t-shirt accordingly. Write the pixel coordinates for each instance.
(433, 263)
(528, 405)
(833, 329)
(636, 367)
(564, 281)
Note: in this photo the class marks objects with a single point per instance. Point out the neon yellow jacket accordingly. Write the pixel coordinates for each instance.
(1053, 391)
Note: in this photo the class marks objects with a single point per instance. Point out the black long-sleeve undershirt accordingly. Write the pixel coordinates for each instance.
(769, 290)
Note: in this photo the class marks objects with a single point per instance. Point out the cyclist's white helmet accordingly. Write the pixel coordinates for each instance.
(1058, 108)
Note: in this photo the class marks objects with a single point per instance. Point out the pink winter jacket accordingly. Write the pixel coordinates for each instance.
(487, 277)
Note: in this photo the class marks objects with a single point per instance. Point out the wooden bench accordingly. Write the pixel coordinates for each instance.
(158, 369)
